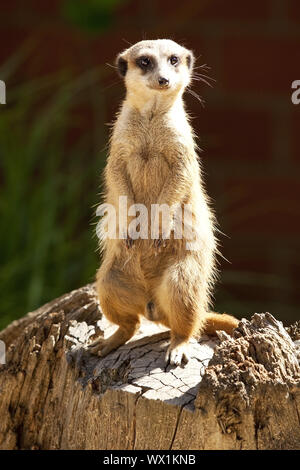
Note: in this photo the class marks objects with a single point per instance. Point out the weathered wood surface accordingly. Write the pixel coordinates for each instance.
(235, 393)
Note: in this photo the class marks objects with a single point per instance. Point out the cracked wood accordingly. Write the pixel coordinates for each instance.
(235, 393)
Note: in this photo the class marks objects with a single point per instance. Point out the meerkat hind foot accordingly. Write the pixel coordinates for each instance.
(101, 347)
(176, 355)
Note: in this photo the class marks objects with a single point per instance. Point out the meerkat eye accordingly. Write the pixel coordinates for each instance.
(144, 62)
(174, 60)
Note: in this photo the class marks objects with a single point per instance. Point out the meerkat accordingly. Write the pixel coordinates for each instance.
(153, 161)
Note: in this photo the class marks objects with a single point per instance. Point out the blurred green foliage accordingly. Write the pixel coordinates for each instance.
(91, 15)
(48, 190)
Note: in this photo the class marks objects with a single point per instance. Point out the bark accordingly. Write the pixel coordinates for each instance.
(235, 393)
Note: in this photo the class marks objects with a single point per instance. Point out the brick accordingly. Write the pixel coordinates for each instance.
(295, 269)
(105, 47)
(259, 283)
(295, 134)
(234, 9)
(57, 49)
(81, 124)
(216, 10)
(35, 7)
(53, 49)
(127, 9)
(260, 64)
(8, 7)
(254, 259)
(31, 13)
(10, 41)
(295, 275)
(233, 133)
(294, 10)
(263, 207)
(258, 295)
(241, 291)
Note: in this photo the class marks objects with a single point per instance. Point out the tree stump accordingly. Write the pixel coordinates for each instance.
(235, 393)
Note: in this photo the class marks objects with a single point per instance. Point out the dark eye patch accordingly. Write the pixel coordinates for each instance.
(145, 63)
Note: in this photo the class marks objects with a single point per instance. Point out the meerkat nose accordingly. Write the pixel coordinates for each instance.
(163, 81)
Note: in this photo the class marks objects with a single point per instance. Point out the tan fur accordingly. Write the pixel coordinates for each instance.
(152, 160)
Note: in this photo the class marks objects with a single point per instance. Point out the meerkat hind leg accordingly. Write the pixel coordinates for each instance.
(179, 296)
(121, 299)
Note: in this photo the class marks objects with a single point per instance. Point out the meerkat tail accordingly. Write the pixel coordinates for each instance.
(219, 321)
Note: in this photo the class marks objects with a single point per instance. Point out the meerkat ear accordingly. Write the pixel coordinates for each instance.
(122, 65)
(190, 59)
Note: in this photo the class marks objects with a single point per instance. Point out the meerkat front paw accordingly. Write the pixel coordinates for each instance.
(101, 347)
(176, 355)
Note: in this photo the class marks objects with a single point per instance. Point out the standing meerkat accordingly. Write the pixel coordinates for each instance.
(153, 160)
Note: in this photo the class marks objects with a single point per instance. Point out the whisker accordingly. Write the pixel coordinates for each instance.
(112, 66)
(196, 74)
(202, 80)
(127, 42)
(195, 95)
(206, 83)
(110, 85)
(203, 67)
(201, 77)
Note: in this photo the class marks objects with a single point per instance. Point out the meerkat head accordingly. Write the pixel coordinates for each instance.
(154, 68)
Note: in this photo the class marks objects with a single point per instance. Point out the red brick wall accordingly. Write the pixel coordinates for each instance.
(249, 129)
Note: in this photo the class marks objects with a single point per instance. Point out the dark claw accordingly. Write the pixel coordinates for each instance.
(160, 242)
(157, 242)
(129, 242)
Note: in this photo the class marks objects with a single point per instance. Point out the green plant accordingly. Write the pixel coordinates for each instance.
(48, 190)
(91, 15)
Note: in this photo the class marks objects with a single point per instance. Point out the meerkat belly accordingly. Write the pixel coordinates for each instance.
(148, 171)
